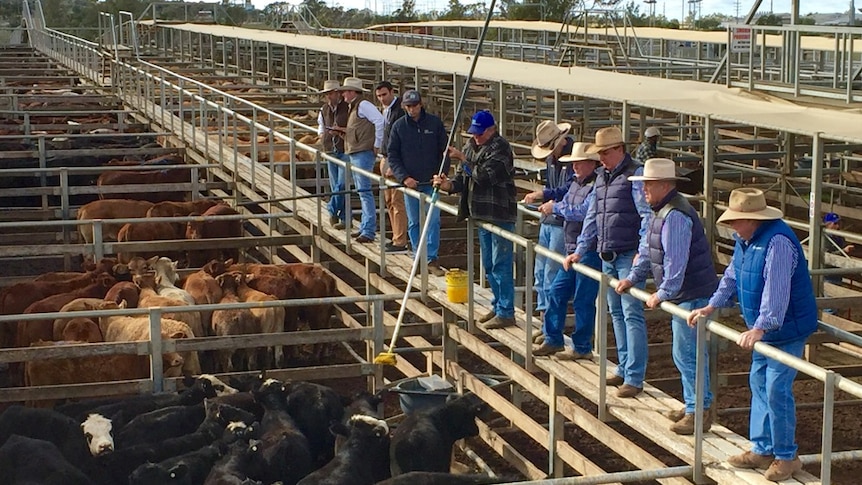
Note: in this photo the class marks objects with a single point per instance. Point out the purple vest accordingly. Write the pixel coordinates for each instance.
(617, 218)
(699, 280)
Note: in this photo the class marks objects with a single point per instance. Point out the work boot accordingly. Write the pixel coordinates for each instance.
(333, 220)
(500, 322)
(750, 460)
(571, 354)
(676, 414)
(627, 390)
(781, 470)
(685, 426)
(538, 338)
(484, 318)
(547, 349)
(615, 380)
(435, 269)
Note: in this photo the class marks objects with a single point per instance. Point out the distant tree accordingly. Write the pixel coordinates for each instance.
(769, 19)
(638, 19)
(807, 20)
(454, 11)
(406, 13)
(709, 22)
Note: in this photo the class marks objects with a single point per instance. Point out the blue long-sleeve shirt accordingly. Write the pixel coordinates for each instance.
(570, 212)
(590, 231)
(776, 287)
(676, 244)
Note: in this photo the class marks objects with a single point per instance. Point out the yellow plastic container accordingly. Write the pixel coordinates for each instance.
(456, 286)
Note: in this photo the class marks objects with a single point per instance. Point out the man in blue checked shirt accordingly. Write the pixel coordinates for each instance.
(681, 264)
(616, 226)
(769, 275)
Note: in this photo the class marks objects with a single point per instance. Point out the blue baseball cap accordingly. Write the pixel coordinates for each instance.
(480, 122)
(411, 98)
(831, 217)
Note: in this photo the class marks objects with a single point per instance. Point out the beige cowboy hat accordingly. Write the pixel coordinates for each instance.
(548, 136)
(352, 84)
(608, 137)
(329, 85)
(658, 169)
(748, 203)
(579, 153)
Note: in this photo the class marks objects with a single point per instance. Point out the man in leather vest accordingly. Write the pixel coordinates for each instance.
(393, 198)
(769, 275)
(333, 113)
(363, 136)
(684, 274)
(570, 284)
(617, 223)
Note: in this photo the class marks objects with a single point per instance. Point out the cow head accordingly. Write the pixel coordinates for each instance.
(221, 389)
(369, 424)
(97, 431)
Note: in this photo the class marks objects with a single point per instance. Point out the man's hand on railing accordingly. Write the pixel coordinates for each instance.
(748, 338)
(623, 285)
(570, 259)
(699, 312)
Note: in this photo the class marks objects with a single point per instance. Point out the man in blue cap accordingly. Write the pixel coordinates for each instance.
(486, 182)
(833, 243)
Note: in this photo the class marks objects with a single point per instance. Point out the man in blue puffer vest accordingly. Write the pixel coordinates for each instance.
(769, 275)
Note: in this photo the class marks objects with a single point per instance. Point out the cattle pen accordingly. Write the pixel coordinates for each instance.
(224, 100)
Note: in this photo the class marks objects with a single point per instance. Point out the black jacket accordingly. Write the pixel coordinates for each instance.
(395, 112)
(416, 148)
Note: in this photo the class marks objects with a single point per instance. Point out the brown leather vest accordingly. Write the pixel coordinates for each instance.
(331, 118)
(360, 132)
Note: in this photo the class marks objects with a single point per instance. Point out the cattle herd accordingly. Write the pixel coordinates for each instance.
(262, 431)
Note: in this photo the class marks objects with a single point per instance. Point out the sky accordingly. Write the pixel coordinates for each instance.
(671, 8)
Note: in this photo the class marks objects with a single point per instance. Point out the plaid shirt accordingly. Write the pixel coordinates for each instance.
(488, 175)
(645, 151)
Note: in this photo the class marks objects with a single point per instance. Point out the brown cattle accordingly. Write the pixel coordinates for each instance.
(82, 330)
(145, 177)
(233, 322)
(110, 209)
(134, 328)
(149, 298)
(98, 368)
(204, 288)
(124, 291)
(213, 229)
(270, 319)
(146, 231)
(179, 209)
(79, 305)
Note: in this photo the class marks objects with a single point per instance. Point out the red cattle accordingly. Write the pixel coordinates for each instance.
(179, 209)
(145, 177)
(115, 208)
(213, 229)
(146, 231)
(124, 290)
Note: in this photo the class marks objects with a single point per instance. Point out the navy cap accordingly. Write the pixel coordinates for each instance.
(831, 217)
(411, 98)
(480, 122)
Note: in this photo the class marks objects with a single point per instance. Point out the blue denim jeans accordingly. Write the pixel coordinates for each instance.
(772, 425)
(414, 223)
(336, 184)
(685, 356)
(368, 222)
(497, 259)
(571, 285)
(545, 269)
(627, 313)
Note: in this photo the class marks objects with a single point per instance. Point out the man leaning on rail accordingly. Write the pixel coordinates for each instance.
(684, 274)
(769, 275)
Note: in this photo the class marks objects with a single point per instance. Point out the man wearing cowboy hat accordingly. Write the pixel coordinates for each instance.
(552, 142)
(769, 275)
(617, 223)
(684, 274)
(363, 135)
(649, 146)
(570, 284)
(333, 113)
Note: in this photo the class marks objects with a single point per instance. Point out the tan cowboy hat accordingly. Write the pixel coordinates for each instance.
(329, 85)
(658, 169)
(579, 154)
(608, 137)
(548, 135)
(748, 203)
(352, 84)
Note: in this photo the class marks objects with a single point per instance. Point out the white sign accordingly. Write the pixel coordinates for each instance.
(740, 39)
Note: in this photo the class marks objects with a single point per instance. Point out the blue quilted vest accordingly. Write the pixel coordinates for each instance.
(576, 195)
(748, 261)
(617, 218)
(699, 280)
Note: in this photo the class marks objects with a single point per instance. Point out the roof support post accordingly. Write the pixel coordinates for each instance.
(708, 171)
(815, 229)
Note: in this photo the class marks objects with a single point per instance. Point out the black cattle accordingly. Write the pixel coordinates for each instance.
(241, 400)
(436, 478)
(28, 461)
(363, 403)
(191, 468)
(161, 424)
(285, 454)
(315, 408)
(231, 469)
(423, 441)
(67, 434)
(362, 460)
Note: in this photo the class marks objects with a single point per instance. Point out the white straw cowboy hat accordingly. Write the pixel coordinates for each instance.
(606, 138)
(548, 136)
(579, 154)
(352, 84)
(658, 169)
(651, 132)
(329, 85)
(748, 203)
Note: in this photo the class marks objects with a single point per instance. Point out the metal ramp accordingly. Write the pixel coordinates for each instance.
(578, 47)
(299, 20)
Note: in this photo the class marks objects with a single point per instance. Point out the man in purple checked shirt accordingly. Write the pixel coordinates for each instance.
(684, 274)
(769, 275)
